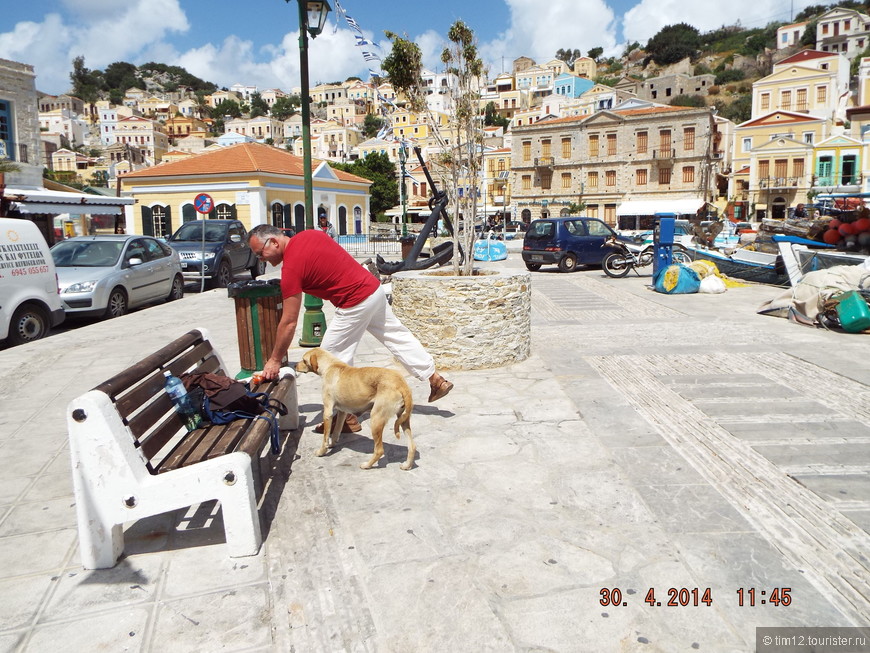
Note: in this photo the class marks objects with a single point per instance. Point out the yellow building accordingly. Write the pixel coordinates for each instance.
(251, 182)
(838, 165)
(773, 157)
(496, 197)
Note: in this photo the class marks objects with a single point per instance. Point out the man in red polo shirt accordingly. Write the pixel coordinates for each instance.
(315, 264)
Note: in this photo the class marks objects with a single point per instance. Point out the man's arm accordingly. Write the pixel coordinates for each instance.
(286, 329)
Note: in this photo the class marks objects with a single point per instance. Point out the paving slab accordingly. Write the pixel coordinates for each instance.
(651, 447)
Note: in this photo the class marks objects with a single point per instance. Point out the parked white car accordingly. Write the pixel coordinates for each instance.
(29, 300)
(108, 275)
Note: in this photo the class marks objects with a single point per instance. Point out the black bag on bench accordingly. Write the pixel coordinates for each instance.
(221, 400)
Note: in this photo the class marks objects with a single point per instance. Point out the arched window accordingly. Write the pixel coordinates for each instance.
(299, 217)
(157, 221)
(277, 214)
(225, 212)
(342, 220)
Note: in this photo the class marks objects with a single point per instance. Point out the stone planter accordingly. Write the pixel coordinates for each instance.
(467, 322)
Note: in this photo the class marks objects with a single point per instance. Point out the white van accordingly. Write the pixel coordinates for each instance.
(29, 301)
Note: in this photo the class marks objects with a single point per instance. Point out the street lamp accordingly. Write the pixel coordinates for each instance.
(312, 17)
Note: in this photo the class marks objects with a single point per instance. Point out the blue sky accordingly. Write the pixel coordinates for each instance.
(256, 42)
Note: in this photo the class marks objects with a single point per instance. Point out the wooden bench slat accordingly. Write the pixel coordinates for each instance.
(228, 440)
(178, 457)
(160, 437)
(133, 374)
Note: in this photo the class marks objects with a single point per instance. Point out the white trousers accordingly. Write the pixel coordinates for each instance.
(376, 316)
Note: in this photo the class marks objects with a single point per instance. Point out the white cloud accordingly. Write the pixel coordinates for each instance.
(103, 32)
(538, 29)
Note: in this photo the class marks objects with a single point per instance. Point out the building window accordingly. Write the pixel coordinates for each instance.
(780, 168)
(611, 145)
(747, 144)
(640, 177)
(821, 94)
(592, 179)
(824, 28)
(642, 142)
(763, 169)
(801, 99)
(610, 178)
(785, 100)
(593, 144)
(527, 182)
(798, 168)
(848, 173)
(809, 137)
(545, 148)
(225, 212)
(665, 141)
(664, 176)
(765, 101)
(566, 180)
(527, 150)
(688, 174)
(546, 180)
(566, 148)
(689, 139)
(162, 225)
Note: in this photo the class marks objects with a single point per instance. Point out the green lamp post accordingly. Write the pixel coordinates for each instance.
(312, 18)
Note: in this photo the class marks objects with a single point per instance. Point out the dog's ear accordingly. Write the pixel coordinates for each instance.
(312, 359)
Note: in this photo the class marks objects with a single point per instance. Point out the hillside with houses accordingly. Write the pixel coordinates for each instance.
(736, 122)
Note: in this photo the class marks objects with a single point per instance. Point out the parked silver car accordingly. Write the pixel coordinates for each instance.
(108, 275)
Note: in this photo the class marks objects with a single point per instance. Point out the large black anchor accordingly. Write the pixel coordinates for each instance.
(442, 253)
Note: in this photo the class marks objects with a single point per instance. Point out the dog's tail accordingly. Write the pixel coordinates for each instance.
(403, 418)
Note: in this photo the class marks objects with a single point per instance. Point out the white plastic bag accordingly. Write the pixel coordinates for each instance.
(712, 284)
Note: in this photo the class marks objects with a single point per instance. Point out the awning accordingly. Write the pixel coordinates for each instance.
(40, 200)
(651, 207)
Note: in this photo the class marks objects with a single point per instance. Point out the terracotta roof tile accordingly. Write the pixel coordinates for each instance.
(805, 55)
(243, 157)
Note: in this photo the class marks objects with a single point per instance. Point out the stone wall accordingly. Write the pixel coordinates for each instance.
(467, 322)
(18, 89)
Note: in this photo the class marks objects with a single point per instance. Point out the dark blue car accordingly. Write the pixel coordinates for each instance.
(566, 242)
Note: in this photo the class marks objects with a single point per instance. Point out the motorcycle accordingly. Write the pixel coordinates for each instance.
(622, 259)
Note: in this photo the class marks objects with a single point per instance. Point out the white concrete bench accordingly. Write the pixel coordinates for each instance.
(132, 457)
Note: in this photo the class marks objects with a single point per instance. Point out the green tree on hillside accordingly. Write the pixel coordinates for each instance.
(594, 53)
(377, 168)
(673, 43)
(258, 105)
(568, 55)
(372, 125)
(283, 108)
(491, 117)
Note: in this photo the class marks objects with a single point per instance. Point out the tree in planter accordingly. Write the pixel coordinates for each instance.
(460, 162)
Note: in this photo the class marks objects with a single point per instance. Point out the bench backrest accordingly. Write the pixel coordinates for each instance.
(138, 395)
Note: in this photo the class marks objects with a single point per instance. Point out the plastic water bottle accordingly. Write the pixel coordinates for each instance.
(178, 393)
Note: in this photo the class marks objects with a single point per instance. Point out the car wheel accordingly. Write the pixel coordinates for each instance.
(568, 263)
(533, 267)
(117, 305)
(224, 275)
(28, 323)
(177, 291)
(258, 269)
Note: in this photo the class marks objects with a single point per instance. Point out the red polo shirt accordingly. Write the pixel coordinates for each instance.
(315, 264)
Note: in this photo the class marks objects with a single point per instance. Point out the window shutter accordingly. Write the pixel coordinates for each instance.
(147, 221)
(168, 224)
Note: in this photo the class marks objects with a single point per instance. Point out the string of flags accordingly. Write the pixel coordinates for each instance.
(361, 40)
(370, 57)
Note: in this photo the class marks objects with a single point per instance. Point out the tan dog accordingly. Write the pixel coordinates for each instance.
(355, 390)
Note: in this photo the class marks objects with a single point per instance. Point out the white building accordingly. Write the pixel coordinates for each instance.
(842, 30)
(789, 36)
(67, 124)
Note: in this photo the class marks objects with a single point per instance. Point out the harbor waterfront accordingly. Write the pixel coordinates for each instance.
(662, 473)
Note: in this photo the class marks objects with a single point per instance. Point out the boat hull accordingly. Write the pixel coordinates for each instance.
(758, 267)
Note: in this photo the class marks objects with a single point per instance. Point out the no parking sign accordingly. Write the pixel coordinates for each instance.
(203, 203)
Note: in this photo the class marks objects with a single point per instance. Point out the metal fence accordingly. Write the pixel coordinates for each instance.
(361, 245)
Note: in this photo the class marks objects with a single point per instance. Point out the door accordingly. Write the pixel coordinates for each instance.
(140, 279)
(596, 233)
(236, 252)
(161, 261)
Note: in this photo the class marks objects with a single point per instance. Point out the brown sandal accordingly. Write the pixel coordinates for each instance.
(440, 390)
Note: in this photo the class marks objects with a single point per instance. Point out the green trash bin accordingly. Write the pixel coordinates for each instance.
(258, 311)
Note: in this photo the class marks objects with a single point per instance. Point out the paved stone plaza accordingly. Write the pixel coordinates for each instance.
(649, 442)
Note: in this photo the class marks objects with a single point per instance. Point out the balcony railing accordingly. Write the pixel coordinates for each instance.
(780, 182)
(544, 162)
(664, 153)
(834, 181)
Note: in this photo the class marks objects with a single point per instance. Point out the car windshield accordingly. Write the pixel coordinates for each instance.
(87, 254)
(192, 233)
